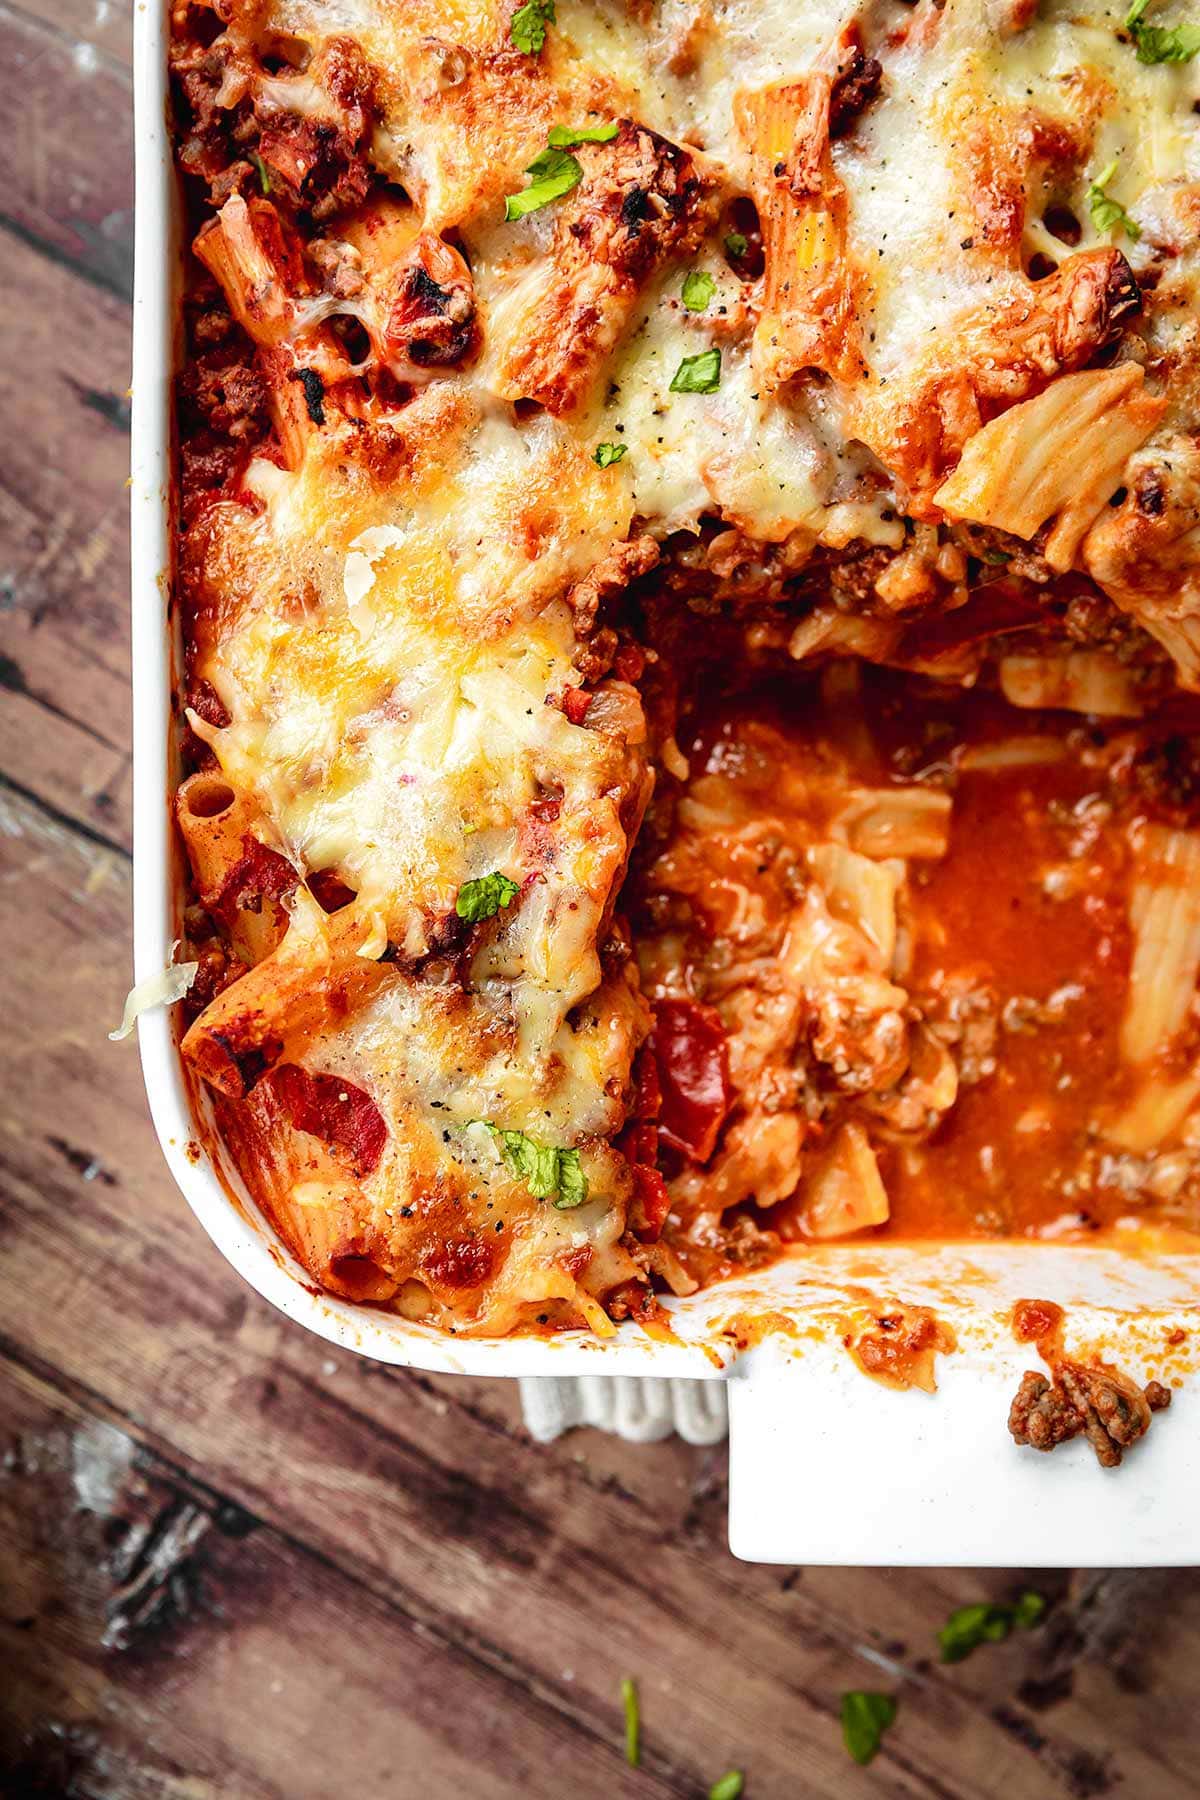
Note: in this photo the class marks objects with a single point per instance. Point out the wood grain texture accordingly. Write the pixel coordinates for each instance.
(235, 1563)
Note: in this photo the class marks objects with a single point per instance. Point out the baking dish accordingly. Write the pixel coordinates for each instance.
(826, 1465)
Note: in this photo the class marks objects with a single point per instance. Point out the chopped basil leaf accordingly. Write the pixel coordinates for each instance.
(698, 374)
(865, 1718)
(606, 454)
(729, 1787)
(264, 174)
(548, 1172)
(1028, 1610)
(529, 22)
(554, 174)
(736, 245)
(572, 1182)
(1161, 43)
(698, 289)
(1167, 44)
(987, 1622)
(565, 137)
(633, 1724)
(483, 899)
(1107, 214)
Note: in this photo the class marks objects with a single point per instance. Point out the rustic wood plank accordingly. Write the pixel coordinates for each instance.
(104, 26)
(64, 606)
(247, 1666)
(564, 1566)
(68, 145)
(445, 1603)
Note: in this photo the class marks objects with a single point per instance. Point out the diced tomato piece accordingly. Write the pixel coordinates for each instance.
(345, 1117)
(693, 1066)
(647, 1094)
(630, 662)
(652, 1200)
(640, 1144)
(575, 703)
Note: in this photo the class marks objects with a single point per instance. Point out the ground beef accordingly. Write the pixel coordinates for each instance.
(1166, 775)
(240, 177)
(230, 395)
(1100, 1403)
(208, 466)
(999, 553)
(965, 1018)
(609, 579)
(316, 166)
(861, 1045)
(209, 322)
(1041, 1415)
(340, 266)
(217, 969)
(596, 654)
(724, 566)
(854, 87)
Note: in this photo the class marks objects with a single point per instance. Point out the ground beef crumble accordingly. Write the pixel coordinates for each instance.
(1095, 1401)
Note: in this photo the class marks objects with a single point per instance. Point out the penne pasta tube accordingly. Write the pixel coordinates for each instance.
(315, 972)
(243, 882)
(884, 822)
(1164, 910)
(258, 268)
(640, 200)
(331, 1239)
(214, 817)
(1086, 681)
(1058, 456)
(808, 313)
(844, 1192)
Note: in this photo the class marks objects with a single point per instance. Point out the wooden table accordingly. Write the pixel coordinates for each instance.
(236, 1564)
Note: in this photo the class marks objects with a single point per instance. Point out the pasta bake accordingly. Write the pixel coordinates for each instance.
(689, 560)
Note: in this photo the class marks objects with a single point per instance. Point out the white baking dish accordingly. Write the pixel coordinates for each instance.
(826, 1466)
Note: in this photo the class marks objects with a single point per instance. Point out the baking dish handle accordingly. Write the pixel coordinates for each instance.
(829, 1467)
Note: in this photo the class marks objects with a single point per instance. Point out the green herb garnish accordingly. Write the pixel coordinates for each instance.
(987, 1622)
(529, 22)
(736, 245)
(483, 899)
(1029, 1609)
(698, 374)
(548, 1172)
(865, 1718)
(553, 174)
(698, 289)
(572, 1182)
(565, 137)
(604, 455)
(1108, 214)
(729, 1787)
(264, 174)
(1161, 43)
(633, 1723)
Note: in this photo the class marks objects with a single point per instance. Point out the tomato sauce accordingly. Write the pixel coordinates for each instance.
(1013, 949)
